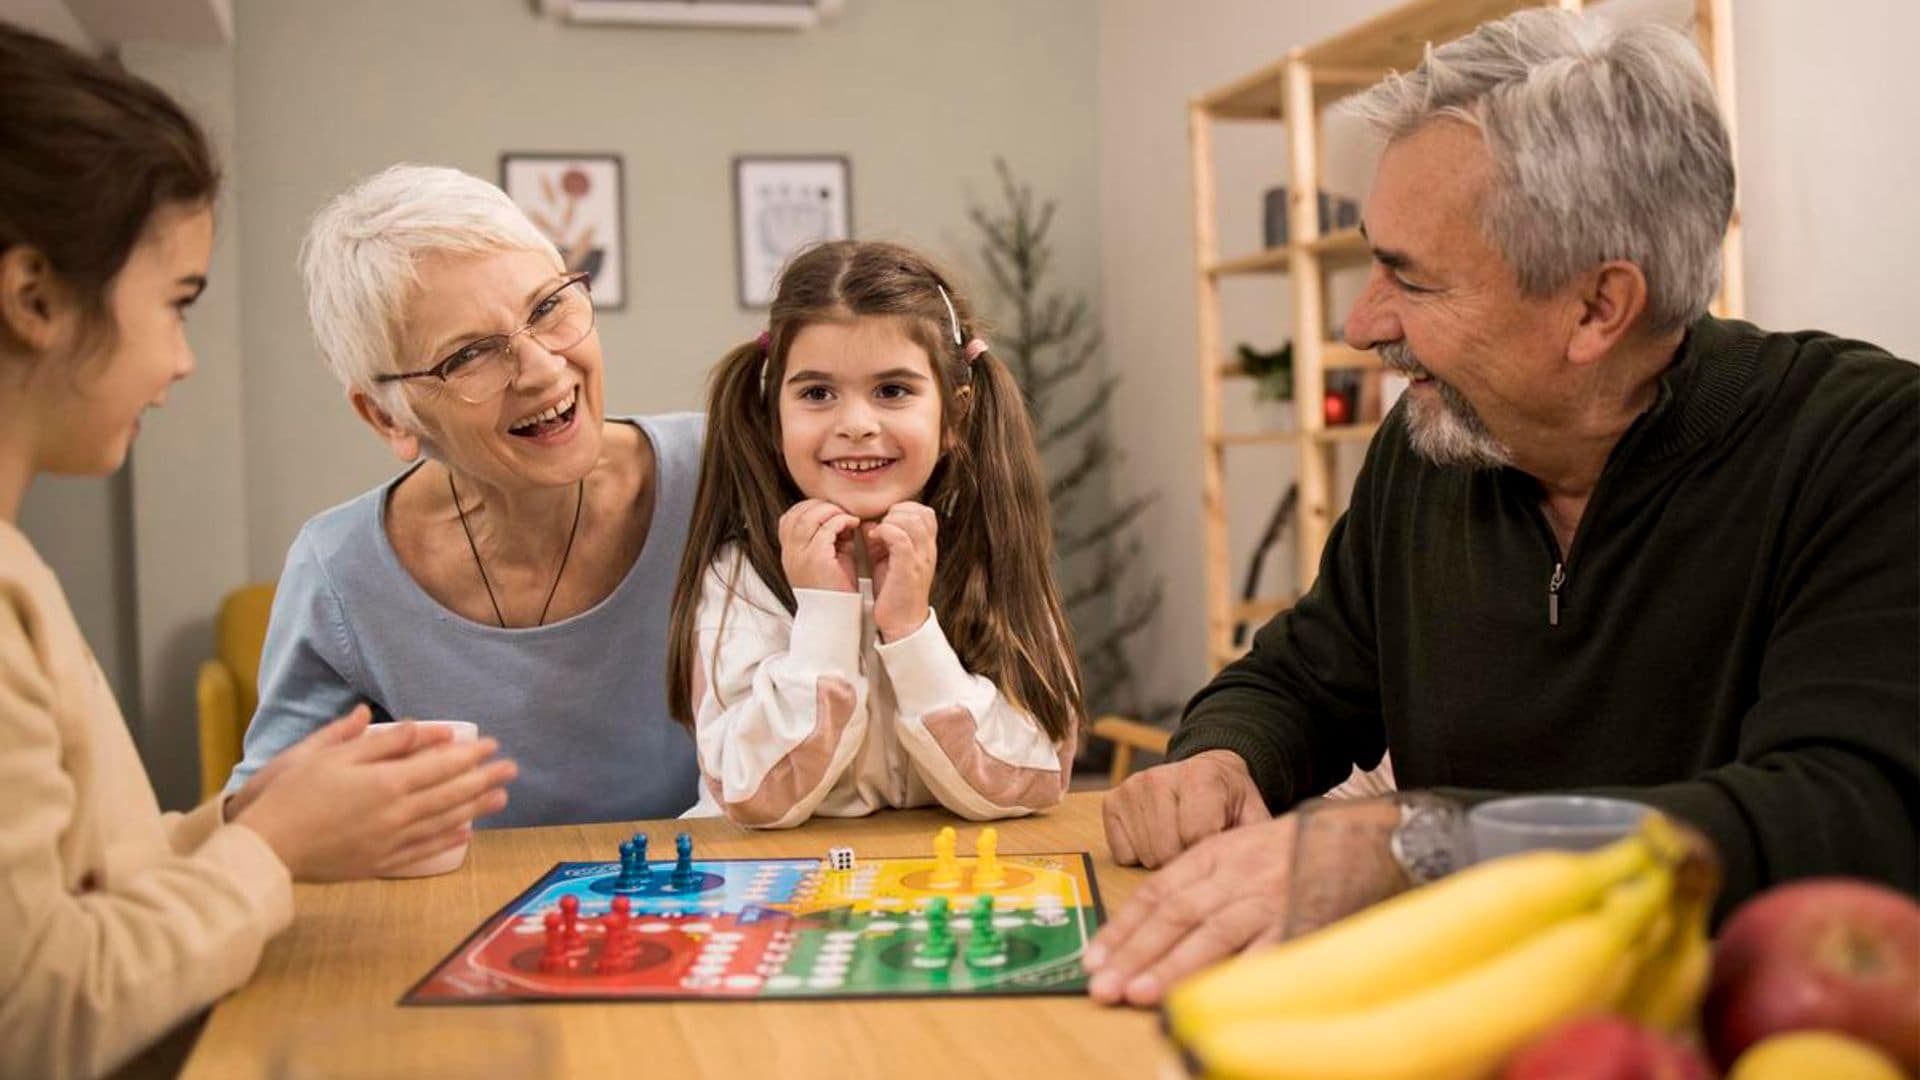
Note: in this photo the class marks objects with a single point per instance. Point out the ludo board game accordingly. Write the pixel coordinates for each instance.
(687, 928)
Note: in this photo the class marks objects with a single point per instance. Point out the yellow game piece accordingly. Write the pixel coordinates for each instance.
(946, 867)
(986, 870)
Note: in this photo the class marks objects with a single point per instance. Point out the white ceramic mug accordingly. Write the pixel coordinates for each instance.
(450, 860)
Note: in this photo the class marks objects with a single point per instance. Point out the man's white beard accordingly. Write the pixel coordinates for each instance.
(1443, 427)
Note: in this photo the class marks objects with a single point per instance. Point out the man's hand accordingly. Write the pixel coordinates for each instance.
(1157, 813)
(1227, 893)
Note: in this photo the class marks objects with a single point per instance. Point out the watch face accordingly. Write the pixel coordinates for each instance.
(1427, 843)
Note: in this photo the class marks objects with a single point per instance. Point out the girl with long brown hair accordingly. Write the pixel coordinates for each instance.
(866, 615)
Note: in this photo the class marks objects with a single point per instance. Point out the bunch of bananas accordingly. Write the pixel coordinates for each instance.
(1450, 979)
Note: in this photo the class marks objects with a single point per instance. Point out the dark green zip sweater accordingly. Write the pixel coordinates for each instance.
(1734, 636)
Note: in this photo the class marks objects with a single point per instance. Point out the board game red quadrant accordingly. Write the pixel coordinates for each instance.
(754, 929)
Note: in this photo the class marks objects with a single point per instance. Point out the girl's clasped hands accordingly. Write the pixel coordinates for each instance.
(820, 549)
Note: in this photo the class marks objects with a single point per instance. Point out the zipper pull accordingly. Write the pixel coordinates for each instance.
(1553, 594)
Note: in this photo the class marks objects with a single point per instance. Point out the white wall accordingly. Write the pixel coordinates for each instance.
(1829, 132)
(1829, 135)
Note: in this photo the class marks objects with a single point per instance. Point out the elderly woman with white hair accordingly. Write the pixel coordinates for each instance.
(518, 572)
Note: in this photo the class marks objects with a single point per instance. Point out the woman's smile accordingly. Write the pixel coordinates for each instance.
(551, 423)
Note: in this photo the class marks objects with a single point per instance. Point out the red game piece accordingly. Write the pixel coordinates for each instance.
(554, 957)
(616, 940)
(617, 922)
(611, 959)
(570, 922)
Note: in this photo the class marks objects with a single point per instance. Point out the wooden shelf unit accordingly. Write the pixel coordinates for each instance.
(1302, 84)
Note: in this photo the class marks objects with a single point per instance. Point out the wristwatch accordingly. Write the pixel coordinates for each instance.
(1431, 840)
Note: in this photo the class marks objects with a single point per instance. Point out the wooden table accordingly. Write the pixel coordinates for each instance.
(355, 948)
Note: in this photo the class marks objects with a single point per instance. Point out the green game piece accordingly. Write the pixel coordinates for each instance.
(986, 948)
(939, 931)
(938, 949)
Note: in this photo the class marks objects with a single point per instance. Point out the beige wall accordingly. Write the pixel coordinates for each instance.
(188, 470)
(920, 94)
(82, 528)
(1828, 126)
(49, 17)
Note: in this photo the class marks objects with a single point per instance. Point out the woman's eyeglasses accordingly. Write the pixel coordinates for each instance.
(480, 371)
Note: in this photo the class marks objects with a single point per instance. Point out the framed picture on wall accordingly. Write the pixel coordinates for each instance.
(577, 200)
(782, 204)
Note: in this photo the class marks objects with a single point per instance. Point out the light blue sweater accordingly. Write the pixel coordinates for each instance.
(581, 704)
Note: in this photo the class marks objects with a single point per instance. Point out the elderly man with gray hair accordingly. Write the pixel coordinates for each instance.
(1606, 543)
(517, 573)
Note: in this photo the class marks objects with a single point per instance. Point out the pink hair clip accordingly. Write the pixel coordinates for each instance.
(764, 340)
(975, 348)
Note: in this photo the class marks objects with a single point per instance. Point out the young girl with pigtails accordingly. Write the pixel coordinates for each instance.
(866, 615)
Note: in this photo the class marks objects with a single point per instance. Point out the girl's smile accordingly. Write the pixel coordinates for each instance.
(863, 468)
(860, 416)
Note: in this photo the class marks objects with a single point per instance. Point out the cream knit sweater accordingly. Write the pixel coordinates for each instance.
(120, 921)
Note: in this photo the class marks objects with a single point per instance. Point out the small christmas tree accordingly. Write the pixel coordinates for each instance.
(1045, 337)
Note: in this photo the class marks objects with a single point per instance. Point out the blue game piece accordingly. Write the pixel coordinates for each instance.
(683, 873)
(625, 880)
(641, 871)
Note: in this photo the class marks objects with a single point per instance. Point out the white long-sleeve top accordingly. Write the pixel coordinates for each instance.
(810, 713)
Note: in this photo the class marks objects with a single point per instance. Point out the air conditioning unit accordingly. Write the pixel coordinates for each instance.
(726, 14)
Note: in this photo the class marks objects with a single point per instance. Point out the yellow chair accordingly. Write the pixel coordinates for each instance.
(1128, 736)
(228, 689)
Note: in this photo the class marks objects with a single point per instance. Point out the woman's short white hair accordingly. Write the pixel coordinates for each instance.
(1606, 140)
(361, 254)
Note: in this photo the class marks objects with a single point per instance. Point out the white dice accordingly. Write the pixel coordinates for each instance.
(840, 858)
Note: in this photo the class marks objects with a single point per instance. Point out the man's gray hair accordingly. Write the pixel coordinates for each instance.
(1606, 141)
(361, 255)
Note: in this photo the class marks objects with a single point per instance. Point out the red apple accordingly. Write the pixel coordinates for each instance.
(1834, 954)
(1605, 1048)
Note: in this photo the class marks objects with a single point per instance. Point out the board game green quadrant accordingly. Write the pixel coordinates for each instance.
(777, 929)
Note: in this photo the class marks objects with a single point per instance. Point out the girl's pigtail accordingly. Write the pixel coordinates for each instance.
(738, 466)
(1003, 502)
